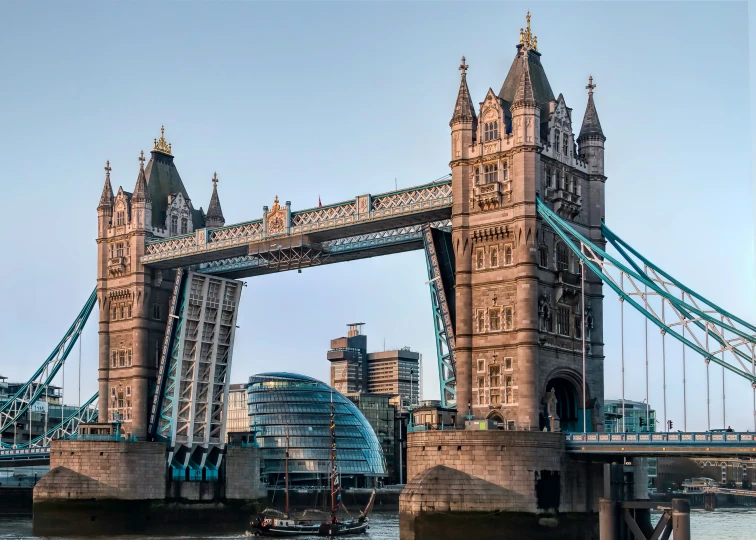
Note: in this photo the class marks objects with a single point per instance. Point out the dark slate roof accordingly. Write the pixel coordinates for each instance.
(214, 211)
(162, 180)
(529, 60)
(463, 109)
(524, 92)
(591, 126)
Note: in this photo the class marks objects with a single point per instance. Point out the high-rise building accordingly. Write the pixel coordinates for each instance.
(637, 417)
(353, 369)
(237, 418)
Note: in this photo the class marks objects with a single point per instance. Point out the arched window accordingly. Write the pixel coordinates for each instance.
(494, 256)
(508, 255)
(174, 224)
(480, 259)
(563, 262)
(491, 172)
(184, 225)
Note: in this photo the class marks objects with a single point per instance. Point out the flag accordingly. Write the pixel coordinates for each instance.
(319, 203)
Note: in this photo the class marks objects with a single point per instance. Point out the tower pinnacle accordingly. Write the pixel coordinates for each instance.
(527, 39)
(140, 190)
(463, 109)
(591, 126)
(106, 199)
(214, 216)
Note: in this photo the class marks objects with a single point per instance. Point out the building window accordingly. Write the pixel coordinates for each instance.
(563, 320)
(490, 131)
(546, 177)
(174, 224)
(504, 172)
(565, 142)
(119, 249)
(578, 327)
(556, 140)
(508, 318)
(481, 383)
(494, 322)
(477, 176)
(120, 219)
(479, 259)
(508, 397)
(494, 376)
(495, 397)
(481, 321)
(494, 256)
(563, 261)
(481, 397)
(507, 364)
(481, 365)
(490, 172)
(156, 311)
(184, 225)
(128, 357)
(128, 390)
(543, 256)
(114, 360)
(507, 255)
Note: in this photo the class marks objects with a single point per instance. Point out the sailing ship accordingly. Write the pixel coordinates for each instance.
(285, 525)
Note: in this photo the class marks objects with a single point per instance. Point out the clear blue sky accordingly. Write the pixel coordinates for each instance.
(338, 99)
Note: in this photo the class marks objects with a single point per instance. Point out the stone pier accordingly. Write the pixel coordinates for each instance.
(513, 484)
(124, 487)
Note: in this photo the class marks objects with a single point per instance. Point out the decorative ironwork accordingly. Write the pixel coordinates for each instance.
(397, 203)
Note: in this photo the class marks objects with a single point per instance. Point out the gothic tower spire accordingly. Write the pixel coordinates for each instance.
(591, 126)
(140, 190)
(463, 109)
(106, 199)
(214, 216)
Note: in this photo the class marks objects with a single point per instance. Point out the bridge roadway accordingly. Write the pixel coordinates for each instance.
(365, 226)
(662, 444)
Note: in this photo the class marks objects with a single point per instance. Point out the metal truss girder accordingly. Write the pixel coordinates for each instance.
(195, 394)
(363, 214)
(689, 315)
(337, 250)
(442, 322)
(35, 387)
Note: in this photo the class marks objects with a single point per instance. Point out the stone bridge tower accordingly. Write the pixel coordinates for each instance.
(133, 299)
(518, 288)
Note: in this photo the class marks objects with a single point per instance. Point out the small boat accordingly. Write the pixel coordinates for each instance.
(284, 525)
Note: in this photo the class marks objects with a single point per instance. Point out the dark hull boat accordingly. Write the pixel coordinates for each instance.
(285, 527)
(344, 528)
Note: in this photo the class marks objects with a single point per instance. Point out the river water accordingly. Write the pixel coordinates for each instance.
(725, 524)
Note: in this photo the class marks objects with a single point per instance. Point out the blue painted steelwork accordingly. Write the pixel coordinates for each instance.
(699, 443)
(30, 392)
(173, 310)
(439, 257)
(164, 424)
(598, 261)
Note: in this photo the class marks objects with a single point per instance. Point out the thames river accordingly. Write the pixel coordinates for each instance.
(725, 524)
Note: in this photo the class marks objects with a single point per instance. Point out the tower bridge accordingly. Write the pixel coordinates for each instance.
(516, 248)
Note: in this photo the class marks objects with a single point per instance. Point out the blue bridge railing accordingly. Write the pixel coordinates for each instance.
(679, 438)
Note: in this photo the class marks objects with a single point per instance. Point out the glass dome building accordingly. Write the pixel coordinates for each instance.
(300, 405)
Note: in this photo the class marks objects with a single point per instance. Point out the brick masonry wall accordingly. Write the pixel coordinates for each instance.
(104, 470)
(243, 473)
(483, 471)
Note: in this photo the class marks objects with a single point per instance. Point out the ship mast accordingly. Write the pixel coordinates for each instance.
(287, 470)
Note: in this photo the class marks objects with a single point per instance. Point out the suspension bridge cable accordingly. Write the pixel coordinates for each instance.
(708, 400)
(685, 397)
(582, 335)
(724, 413)
(79, 385)
(645, 299)
(622, 345)
(664, 367)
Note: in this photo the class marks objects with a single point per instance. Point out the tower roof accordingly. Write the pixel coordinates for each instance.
(591, 126)
(524, 94)
(141, 193)
(106, 199)
(163, 180)
(214, 212)
(463, 109)
(527, 59)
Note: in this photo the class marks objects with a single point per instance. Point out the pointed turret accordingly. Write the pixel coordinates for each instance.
(106, 199)
(214, 216)
(463, 109)
(591, 126)
(141, 193)
(524, 94)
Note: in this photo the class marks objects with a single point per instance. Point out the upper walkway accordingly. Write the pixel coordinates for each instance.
(360, 227)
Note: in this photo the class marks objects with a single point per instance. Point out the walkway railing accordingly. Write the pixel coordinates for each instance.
(679, 438)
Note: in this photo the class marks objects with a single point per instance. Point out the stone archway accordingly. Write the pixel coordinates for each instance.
(496, 416)
(568, 402)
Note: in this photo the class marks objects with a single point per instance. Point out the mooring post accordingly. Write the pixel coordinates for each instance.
(680, 519)
(609, 520)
